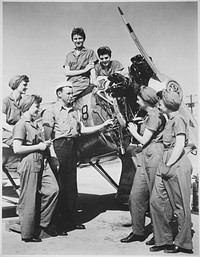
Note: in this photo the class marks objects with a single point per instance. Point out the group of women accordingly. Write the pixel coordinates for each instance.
(163, 175)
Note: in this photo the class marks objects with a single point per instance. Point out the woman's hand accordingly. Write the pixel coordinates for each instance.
(132, 127)
(89, 66)
(42, 146)
(48, 142)
(108, 123)
(165, 172)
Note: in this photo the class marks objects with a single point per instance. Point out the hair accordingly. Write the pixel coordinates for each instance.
(16, 80)
(28, 100)
(148, 95)
(104, 50)
(78, 31)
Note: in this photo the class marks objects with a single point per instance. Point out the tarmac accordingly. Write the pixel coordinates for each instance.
(106, 221)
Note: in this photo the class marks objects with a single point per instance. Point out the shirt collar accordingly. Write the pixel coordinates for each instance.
(11, 97)
(32, 123)
(82, 50)
(106, 67)
(173, 114)
(60, 106)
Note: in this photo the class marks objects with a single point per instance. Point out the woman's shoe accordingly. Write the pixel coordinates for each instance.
(161, 248)
(177, 249)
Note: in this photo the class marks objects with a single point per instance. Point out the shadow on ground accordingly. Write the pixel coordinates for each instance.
(91, 205)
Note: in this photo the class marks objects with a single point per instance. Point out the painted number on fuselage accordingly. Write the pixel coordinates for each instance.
(85, 112)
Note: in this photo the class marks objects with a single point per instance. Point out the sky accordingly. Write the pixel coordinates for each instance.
(37, 37)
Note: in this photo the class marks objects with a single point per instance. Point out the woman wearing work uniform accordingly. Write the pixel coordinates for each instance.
(79, 64)
(148, 160)
(11, 106)
(38, 187)
(173, 182)
(11, 113)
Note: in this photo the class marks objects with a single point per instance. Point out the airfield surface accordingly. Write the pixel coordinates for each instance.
(106, 221)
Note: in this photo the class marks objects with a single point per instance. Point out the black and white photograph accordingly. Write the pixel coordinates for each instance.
(99, 128)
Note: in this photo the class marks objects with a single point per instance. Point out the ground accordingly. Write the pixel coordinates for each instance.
(106, 221)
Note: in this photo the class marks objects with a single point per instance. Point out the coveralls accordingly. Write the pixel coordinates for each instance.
(148, 160)
(82, 81)
(66, 128)
(38, 186)
(175, 188)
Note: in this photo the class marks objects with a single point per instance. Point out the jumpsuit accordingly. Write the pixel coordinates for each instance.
(147, 163)
(174, 188)
(38, 186)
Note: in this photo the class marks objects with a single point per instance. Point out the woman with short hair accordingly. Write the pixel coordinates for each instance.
(79, 64)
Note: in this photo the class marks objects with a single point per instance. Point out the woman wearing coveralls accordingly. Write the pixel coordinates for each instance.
(38, 187)
(173, 181)
(79, 64)
(148, 160)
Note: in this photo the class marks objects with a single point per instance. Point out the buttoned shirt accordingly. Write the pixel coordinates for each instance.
(11, 109)
(155, 122)
(80, 82)
(64, 121)
(27, 131)
(13, 113)
(176, 125)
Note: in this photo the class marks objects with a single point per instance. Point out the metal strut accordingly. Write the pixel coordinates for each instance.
(15, 187)
(103, 173)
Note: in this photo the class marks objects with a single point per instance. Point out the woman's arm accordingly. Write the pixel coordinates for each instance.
(141, 139)
(18, 148)
(71, 73)
(178, 149)
(5, 125)
(93, 78)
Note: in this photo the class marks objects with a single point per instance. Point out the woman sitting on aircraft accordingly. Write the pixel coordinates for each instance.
(79, 64)
(11, 113)
(105, 67)
(11, 106)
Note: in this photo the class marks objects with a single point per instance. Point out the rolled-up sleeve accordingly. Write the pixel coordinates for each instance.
(19, 131)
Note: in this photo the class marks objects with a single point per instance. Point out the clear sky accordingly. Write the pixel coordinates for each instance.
(36, 38)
